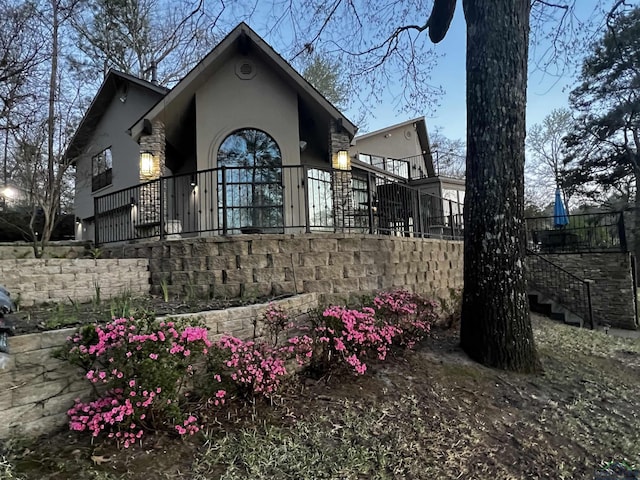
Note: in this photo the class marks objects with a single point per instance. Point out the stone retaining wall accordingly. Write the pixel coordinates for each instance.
(338, 264)
(12, 250)
(612, 290)
(36, 390)
(32, 281)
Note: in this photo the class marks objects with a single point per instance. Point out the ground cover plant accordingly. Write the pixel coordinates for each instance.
(425, 413)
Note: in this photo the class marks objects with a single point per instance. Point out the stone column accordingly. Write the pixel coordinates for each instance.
(149, 201)
(341, 179)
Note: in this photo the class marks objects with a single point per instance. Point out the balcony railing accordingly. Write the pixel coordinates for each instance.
(592, 232)
(291, 199)
(398, 167)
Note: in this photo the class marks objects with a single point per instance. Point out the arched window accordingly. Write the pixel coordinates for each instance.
(250, 183)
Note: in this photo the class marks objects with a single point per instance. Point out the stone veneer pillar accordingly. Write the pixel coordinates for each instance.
(149, 201)
(342, 186)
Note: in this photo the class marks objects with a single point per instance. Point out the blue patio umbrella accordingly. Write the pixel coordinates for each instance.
(560, 217)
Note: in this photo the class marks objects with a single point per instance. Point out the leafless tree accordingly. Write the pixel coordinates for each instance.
(145, 38)
(449, 154)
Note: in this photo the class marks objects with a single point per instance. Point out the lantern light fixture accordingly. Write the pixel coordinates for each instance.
(342, 161)
(146, 163)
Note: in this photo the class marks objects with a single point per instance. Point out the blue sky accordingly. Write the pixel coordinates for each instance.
(545, 91)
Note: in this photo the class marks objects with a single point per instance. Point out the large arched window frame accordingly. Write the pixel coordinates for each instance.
(250, 191)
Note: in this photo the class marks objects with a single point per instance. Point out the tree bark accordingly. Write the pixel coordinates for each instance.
(496, 327)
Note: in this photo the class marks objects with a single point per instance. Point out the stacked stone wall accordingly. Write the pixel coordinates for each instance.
(40, 280)
(333, 264)
(612, 289)
(14, 250)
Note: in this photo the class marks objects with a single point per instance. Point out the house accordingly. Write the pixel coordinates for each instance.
(244, 144)
(101, 143)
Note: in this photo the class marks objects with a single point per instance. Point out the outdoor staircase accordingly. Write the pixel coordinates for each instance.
(545, 305)
(557, 293)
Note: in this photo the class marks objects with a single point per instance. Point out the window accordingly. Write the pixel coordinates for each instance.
(102, 168)
(250, 168)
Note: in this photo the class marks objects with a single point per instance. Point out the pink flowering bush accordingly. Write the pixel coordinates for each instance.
(351, 336)
(412, 313)
(256, 367)
(142, 371)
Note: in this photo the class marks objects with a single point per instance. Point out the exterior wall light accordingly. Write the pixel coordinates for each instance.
(341, 160)
(194, 180)
(146, 163)
(134, 202)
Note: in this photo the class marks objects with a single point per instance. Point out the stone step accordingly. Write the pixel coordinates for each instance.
(541, 303)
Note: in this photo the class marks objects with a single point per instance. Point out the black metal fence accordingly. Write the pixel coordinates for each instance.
(592, 232)
(561, 286)
(291, 199)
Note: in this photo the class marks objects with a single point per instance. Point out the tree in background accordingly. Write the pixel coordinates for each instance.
(449, 154)
(545, 168)
(144, 38)
(21, 52)
(605, 141)
(328, 77)
(37, 49)
(39, 119)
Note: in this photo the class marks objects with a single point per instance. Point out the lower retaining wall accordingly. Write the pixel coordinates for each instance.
(36, 390)
(612, 290)
(32, 281)
(339, 264)
(13, 250)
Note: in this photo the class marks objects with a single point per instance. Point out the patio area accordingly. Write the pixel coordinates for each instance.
(266, 199)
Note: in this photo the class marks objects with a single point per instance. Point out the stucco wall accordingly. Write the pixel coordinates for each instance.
(339, 264)
(111, 131)
(36, 390)
(57, 279)
(225, 103)
(399, 142)
(612, 291)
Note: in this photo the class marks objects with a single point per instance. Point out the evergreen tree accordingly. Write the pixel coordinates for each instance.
(605, 143)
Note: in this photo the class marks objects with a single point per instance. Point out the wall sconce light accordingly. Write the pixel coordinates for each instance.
(78, 221)
(342, 161)
(134, 202)
(146, 163)
(194, 180)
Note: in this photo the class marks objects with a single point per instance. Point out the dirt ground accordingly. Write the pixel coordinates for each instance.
(43, 317)
(429, 414)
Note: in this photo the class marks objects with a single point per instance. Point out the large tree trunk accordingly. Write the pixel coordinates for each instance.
(496, 328)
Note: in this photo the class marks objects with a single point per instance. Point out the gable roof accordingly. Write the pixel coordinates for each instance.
(423, 137)
(242, 37)
(112, 81)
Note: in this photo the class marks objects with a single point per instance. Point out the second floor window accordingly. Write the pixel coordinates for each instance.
(102, 169)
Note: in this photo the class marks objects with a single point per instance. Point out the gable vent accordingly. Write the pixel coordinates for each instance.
(245, 70)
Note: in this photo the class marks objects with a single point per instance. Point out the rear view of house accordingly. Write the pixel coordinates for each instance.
(243, 144)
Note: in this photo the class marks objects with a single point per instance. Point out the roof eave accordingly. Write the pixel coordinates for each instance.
(226, 43)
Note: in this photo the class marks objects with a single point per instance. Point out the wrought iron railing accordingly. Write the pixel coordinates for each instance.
(592, 232)
(395, 166)
(291, 199)
(561, 286)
